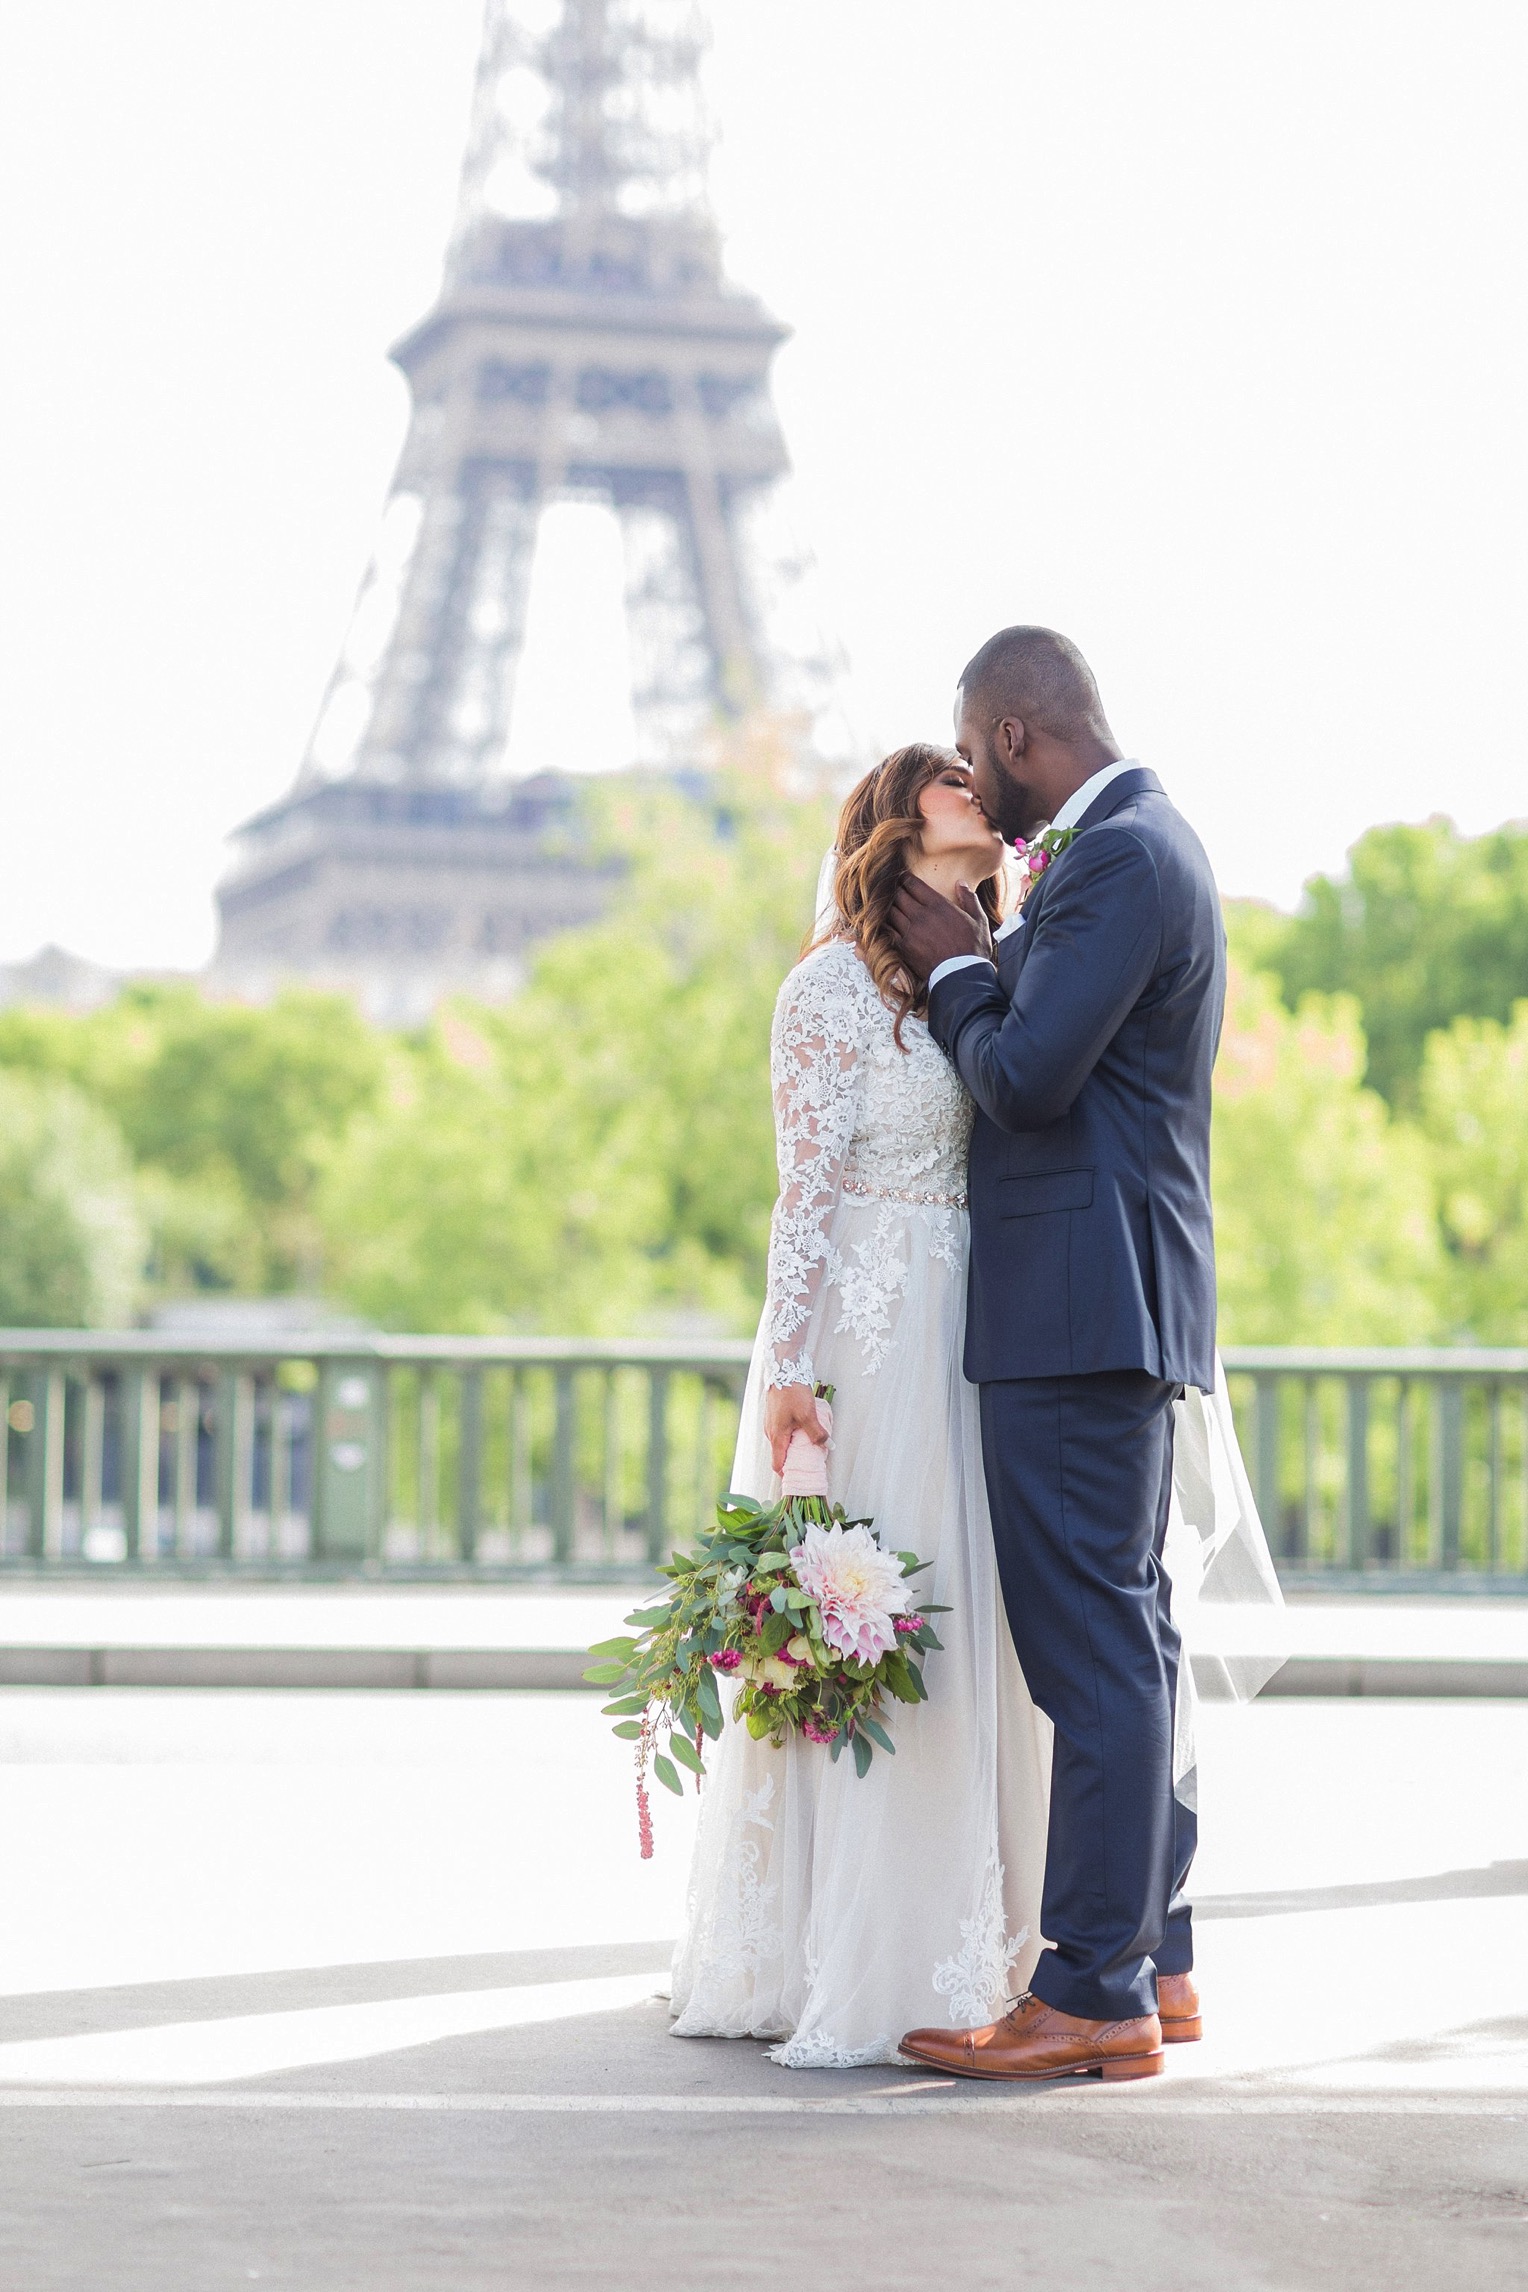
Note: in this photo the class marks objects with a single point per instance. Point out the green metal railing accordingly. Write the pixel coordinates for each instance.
(1386, 1465)
(578, 1457)
(373, 1453)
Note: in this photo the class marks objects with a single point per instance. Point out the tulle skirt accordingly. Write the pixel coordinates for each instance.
(829, 1912)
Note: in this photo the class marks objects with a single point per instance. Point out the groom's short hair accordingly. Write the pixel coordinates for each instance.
(1038, 676)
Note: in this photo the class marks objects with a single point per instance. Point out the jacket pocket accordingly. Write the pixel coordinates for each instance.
(1046, 1190)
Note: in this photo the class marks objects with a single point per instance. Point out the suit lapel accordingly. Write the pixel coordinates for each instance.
(1014, 950)
(1136, 782)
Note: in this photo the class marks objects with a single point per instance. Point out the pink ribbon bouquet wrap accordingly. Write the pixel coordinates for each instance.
(806, 1464)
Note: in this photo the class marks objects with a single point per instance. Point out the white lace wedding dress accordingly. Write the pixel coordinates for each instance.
(827, 1912)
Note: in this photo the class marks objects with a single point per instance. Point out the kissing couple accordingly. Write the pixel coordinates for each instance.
(994, 1240)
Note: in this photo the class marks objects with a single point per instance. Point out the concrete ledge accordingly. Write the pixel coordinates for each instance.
(1399, 1676)
(500, 1670)
(494, 1669)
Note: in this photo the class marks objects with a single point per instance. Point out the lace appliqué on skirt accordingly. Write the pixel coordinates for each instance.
(745, 1936)
(820, 2049)
(975, 1980)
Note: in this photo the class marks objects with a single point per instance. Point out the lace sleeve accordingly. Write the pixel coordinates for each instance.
(814, 1056)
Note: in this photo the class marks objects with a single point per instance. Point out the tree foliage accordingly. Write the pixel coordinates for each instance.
(1475, 1117)
(1427, 926)
(228, 1113)
(1324, 1224)
(71, 1241)
(597, 1156)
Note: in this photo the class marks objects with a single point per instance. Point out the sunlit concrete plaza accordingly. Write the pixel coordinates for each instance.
(366, 1990)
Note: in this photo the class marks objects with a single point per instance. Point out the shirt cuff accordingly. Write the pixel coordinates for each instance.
(952, 963)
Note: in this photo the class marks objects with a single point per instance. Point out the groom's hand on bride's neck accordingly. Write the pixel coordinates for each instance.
(931, 928)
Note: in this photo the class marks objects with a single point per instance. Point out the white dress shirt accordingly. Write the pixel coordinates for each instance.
(1068, 816)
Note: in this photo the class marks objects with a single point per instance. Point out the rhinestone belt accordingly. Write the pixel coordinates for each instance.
(866, 1193)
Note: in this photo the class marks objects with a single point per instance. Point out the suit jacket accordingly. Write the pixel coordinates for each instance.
(1088, 1054)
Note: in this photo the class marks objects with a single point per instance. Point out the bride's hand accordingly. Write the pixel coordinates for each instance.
(790, 1409)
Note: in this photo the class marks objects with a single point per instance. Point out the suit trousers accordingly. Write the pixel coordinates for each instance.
(1079, 1476)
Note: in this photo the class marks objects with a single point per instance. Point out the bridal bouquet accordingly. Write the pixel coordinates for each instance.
(800, 1608)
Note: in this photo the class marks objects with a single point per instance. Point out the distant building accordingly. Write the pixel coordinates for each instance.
(57, 980)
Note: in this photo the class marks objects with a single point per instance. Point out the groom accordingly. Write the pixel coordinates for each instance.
(1086, 1036)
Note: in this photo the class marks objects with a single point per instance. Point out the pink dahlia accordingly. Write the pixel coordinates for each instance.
(858, 1587)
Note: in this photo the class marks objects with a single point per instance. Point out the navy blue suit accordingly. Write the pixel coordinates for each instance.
(1092, 1304)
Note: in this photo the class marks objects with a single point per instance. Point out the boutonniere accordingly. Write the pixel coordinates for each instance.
(1035, 856)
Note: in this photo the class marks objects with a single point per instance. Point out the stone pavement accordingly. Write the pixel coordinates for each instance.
(351, 1991)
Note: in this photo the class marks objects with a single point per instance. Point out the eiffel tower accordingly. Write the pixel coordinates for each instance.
(585, 343)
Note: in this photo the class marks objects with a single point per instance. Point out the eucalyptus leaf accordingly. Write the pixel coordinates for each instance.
(629, 1730)
(687, 1755)
(606, 1674)
(862, 1756)
(903, 1680)
(878, 1734)
(665, 1771)
(624, 1648)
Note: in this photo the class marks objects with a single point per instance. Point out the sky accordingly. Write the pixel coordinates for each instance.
(1197, 331)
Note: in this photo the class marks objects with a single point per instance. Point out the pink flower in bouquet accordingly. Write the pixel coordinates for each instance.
(814, 1733)
(859, 1588)
(725, 1659)
(909, 1623)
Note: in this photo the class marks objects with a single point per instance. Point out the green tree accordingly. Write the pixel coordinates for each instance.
(598, 1157)
(1426, 926)
(1325, 1232)
(229, 1113)
(71, 1239)
(1475, 1115)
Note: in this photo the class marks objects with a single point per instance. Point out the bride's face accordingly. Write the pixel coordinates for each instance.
(956, 827)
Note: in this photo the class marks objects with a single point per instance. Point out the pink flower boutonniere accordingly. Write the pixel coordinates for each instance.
(1035, 856)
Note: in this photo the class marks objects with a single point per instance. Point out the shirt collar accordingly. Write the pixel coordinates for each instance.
(1080, 798)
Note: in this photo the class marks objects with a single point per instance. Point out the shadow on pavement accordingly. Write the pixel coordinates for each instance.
(1441, 1886)
(65, 2013)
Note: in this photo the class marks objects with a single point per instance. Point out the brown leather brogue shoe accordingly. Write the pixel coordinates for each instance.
(1034, 2042)
(1178, 2008)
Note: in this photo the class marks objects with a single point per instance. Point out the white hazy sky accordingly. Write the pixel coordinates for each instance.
(1197, 330)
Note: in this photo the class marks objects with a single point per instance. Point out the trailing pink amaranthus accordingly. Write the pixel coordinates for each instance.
(644, 1810)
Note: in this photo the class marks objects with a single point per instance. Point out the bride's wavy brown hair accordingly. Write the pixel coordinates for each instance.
(879, 829)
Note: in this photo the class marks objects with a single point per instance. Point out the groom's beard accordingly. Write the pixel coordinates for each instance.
(1018, 812)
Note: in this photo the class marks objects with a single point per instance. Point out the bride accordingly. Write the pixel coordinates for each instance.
(827, 1912)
